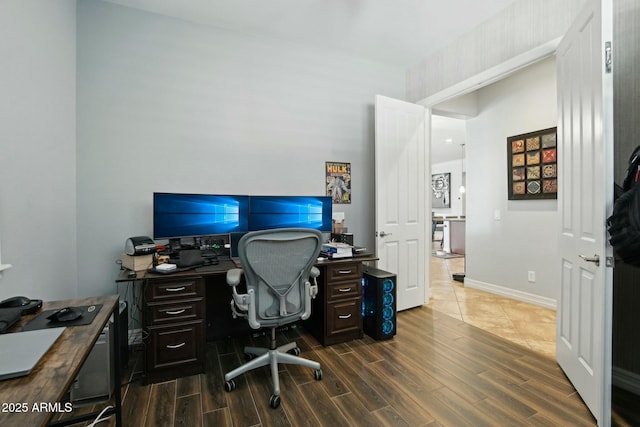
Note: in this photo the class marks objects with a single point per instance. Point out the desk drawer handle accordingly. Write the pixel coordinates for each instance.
(344, 290)
(181, 288)
(173, 347)
(173, 313)
(344, 271)
(342, 316)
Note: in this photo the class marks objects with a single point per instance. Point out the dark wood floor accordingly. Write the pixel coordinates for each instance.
(436, 371)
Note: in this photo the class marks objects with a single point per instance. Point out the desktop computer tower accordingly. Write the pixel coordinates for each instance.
(95, 381)
(379, 303)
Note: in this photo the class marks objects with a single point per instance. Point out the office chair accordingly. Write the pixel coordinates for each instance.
(278, 270)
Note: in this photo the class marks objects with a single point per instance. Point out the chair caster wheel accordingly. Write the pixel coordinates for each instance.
(248, 356)
(274, 401)
(317, 374)
(229, 385)
(294, 351)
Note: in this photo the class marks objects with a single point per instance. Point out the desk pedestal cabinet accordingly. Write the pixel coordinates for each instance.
(336, 312)
(174, 325)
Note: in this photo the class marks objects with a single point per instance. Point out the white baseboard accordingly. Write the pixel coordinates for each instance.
(135, 336)
(626, 380)
(511, 293)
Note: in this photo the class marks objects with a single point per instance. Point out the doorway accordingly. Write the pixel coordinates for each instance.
(495, 259)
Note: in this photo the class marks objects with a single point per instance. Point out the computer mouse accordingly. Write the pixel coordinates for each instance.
(17, 301)
(66, 314)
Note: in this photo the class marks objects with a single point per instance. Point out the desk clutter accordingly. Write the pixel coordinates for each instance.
(178, 255)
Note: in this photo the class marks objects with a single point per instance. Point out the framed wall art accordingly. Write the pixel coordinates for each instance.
(338, 181)
(532, 160)
(440, 190)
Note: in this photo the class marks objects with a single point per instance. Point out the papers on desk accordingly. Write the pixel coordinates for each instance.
(336, 250)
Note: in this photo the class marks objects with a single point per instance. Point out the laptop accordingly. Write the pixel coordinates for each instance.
(21, 351)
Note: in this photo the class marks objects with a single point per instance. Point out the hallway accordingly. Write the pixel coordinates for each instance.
(526, 324)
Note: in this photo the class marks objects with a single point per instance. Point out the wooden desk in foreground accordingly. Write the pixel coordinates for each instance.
(34, 399)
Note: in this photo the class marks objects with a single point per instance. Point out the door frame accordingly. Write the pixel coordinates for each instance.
(482, 79)
(493, 74)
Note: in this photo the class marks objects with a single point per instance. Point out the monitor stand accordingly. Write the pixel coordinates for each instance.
(174, 245)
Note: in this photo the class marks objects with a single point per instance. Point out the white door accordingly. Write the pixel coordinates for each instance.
(585, 199)
(401, 168)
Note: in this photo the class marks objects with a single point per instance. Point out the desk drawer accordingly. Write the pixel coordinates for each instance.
(175, 311)
(176, 345)
(342, 290)
(159, 290)
(347, 271)
(344, 317)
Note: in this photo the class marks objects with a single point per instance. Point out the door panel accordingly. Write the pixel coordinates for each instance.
(400, 169)
(585, 154)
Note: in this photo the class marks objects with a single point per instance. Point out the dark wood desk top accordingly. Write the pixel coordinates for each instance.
(57, 369)
(222, 267)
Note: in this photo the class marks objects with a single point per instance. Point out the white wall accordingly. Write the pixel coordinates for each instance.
(500, 253)
(455, 169)
(166, 105)
(37, 148)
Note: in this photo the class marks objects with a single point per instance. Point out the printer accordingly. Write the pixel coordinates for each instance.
(139, 245)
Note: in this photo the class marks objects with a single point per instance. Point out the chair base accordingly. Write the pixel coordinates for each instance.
(272, 357)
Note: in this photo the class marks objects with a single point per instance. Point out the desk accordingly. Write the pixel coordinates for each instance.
(181, 310)
(55, 372)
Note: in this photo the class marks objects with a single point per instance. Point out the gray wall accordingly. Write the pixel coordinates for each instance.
(37, 148)
(166, 105)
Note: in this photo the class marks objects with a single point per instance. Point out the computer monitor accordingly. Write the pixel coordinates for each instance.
(177, 215)
(267, 212)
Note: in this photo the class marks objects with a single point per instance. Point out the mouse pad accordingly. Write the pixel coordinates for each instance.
(41, 321)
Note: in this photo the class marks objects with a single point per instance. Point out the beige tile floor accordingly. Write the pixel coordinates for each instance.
(526, 324)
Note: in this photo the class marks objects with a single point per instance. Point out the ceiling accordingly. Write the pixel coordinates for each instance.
(401, 32)
(398, 32)
(447, 136)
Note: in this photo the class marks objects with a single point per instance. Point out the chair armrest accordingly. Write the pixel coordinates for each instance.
(234, 276)
(312, 289)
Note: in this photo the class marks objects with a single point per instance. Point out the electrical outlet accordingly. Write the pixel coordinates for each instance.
(531, 276)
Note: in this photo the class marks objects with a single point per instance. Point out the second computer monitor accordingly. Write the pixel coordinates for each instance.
(267, 212)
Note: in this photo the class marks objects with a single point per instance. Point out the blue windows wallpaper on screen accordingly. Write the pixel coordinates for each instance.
(187, 215)
(290, 211)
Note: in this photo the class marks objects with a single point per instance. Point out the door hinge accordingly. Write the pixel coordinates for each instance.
(610, 261)
(608, 57)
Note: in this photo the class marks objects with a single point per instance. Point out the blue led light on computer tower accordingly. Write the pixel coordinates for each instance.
(379, 303)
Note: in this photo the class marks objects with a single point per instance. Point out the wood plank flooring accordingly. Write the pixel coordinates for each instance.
(437, 371)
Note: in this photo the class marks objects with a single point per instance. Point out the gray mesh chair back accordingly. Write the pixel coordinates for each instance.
(276, 266)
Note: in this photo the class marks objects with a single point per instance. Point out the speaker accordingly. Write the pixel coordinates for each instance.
(379, 303)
